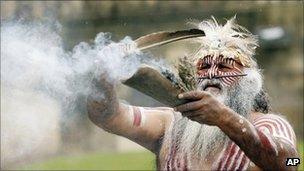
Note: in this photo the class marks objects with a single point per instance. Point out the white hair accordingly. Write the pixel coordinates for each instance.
(230, 40)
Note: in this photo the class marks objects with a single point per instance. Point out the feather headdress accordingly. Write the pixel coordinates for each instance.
(230, 40)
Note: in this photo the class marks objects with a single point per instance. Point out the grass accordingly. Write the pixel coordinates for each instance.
(111, 161)
(301, 151)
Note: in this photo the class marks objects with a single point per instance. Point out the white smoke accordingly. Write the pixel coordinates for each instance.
(38, 77)
(32, 57)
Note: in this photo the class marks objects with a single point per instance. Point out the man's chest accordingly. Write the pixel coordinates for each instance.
(170, 158)
(226, 157)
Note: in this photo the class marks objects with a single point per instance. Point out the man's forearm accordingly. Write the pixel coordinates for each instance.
(260, 148)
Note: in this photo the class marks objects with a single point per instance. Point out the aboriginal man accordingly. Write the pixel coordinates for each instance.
(226, 123)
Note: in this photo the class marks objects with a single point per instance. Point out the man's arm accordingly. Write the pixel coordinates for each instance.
(268, 150)
(144, 126)
(265, 150)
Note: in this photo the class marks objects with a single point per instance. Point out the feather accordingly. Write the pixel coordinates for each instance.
(161, 38)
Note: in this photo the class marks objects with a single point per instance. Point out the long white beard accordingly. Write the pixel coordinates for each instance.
(193, 138)
(200, 139)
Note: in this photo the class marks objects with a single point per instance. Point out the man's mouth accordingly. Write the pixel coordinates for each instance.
(211, 87)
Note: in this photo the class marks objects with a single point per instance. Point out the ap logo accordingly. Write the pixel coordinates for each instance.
(292, 161)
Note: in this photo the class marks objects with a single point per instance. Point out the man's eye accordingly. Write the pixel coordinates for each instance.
(205, 66)
(222, 66)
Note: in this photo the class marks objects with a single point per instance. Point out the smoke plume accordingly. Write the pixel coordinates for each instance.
(39, 77)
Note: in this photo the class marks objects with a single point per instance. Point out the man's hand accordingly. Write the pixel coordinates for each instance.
(202, 108)
(102, 103)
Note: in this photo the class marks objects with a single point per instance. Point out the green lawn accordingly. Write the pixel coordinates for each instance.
(110, 161)
(301, 150)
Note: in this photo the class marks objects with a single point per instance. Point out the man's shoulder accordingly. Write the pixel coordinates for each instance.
(258, 117)
(276, 125)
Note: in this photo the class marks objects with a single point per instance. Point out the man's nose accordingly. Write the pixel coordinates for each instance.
(212, 71)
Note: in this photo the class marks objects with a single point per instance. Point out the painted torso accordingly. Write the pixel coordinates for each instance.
(227, 157)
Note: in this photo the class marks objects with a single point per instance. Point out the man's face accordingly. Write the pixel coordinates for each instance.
(219, 78)
(238, 93)
(213, 74)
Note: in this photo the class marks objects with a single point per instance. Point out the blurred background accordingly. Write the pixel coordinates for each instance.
(77, 143)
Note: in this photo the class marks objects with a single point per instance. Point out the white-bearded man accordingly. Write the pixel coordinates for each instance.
(227, 123)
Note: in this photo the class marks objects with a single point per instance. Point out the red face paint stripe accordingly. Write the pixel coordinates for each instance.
(224, 82)
(215, 71)
(230, 79)
(231, 62)
(238, 69)
(227, 60)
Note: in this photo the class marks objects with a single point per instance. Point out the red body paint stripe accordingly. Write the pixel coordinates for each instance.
(240, 161)
(172, 161)
(271, 123)
(137, 116)
(265, 125)
(224, 156)
(229, 159)
(290, 130)
(243, 162)
(264, 140)
(278, 127)
(283, 128)
(236, 159)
